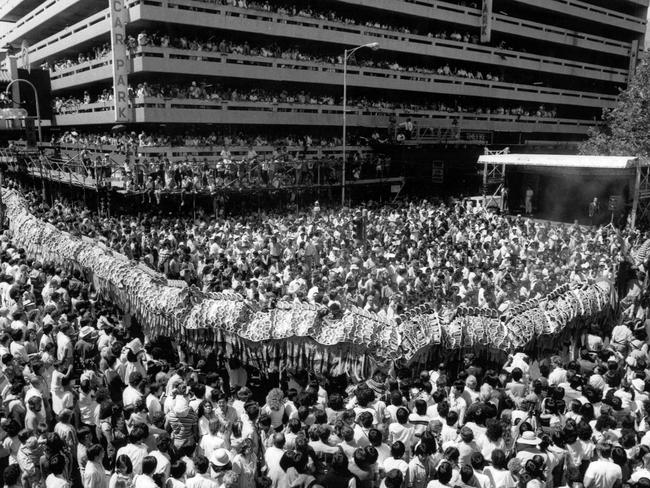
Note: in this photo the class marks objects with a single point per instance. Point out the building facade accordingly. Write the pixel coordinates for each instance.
(471, 71)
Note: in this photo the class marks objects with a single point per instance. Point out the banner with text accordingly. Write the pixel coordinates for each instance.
(119, 15)
(486, 21)
(24, 56)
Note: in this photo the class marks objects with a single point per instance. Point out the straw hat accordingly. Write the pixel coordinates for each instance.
(529, 438)
(220, 457)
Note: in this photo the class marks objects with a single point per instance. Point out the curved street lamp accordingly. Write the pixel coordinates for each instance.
(38, 107)
(346, 55)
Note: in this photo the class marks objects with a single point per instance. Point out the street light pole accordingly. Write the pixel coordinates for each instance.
(38, 106)
(345, 108)
(346, 55)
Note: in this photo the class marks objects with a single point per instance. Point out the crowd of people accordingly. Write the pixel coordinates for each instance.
(271, 50)
(279, 169)
(236, 162)
(283, 8)
(89, 401)
(215, 93)
(282, 170)
(383, 259)
(100, 51)
(156, 138)
(315, 11)
(295, 53)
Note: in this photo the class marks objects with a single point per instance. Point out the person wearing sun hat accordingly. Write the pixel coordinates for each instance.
(528, 446)
(86, 342)
(220, 463)
(132, 358)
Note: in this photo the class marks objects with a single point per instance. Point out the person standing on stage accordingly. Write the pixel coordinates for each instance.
(528, 201)
(504, 200)
(594, 210)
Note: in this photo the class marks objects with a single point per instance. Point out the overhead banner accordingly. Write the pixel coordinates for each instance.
(13, 113)
(119, 15)
(24, 56)
(486, 21)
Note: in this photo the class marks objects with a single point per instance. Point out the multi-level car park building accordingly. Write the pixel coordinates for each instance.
(555, 64)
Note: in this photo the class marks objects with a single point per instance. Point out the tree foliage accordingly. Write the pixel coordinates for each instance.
(626, 129)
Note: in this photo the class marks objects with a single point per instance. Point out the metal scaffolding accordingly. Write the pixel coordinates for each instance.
(494, 180)
(641, 204)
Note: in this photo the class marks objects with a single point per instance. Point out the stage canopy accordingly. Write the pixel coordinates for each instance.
(563, 161)
(495, 164)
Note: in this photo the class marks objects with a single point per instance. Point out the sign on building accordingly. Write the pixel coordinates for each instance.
(24, 56)
(486, 21)
(119, 18)
(13, 113)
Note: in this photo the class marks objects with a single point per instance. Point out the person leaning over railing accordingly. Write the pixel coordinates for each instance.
(216, 93)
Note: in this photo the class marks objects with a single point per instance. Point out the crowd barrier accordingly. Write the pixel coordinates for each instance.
(299, 335)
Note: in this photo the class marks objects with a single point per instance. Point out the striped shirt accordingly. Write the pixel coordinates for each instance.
(182, 427)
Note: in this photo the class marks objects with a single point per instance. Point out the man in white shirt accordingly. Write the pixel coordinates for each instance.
(272, 457)
(132, 393)
(559, 374)
(457, 402)
(17, 348)
(621, 337)
(395, 460)
(449, 431)
(136, 450)
(152, 401)
(4, 290)
(56, 479)
(643, 472)
(478, 463)
(603, 473)
(470, 395)
(94, 475)
(202, 478)
(145, 479)
(163, 460)
(466, 446)
(5, 344)
(64, 349)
